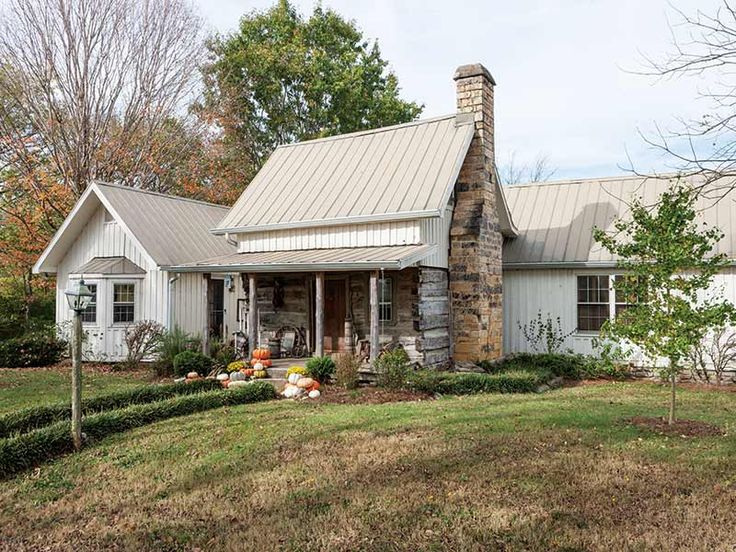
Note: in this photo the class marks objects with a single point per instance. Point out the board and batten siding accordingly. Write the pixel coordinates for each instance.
(430, 230)
(554, 291)
(107, 239)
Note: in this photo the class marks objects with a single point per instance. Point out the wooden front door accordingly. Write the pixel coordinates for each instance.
(335, 309)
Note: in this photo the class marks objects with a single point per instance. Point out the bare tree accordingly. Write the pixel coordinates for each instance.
(88, 84)
(513, 173)
(713, 356)
(703, 45)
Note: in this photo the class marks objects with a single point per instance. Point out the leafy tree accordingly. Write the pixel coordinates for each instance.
(669, 264)
(283, 78)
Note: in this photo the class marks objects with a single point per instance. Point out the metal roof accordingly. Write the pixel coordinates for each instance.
(109, 265)
(309, 260)
(169, 229)
(402, 171)
(555, 220)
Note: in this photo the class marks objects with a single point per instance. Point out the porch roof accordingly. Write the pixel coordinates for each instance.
(310, 260)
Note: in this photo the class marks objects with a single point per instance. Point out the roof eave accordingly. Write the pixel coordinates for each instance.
(342, 221)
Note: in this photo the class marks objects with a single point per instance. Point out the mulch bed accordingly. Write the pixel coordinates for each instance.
(681, 428)
(368, 395)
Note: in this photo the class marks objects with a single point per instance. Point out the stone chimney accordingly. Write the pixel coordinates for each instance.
(475, 238)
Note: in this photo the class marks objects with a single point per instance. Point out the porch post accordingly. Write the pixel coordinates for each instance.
(252, 314)
(319, 313)
(206, 329)
(374, 330)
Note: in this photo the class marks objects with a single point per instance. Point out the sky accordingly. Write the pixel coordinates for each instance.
(565, 70)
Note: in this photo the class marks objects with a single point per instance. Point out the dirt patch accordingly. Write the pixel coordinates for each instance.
(368, 395)
(681, 428)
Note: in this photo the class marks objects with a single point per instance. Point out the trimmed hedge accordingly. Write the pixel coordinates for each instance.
(34, 417)
(33, 349)
(30, 449)
(462, 383)
(192, 361)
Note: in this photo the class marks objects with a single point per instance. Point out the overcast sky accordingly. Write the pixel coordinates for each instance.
(563, 69)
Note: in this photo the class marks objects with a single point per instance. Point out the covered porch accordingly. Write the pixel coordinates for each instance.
(353, 300)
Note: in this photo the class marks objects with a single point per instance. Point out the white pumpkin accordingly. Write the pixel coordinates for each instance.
(258, 366)
(237, 376)
(314, 394)
(236, 384)
(294, 378)
(290, 391)
(192, 375)
(222, 377)
(304, 383)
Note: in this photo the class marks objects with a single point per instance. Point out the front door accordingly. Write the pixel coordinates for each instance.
(335, 309)
(216, 299)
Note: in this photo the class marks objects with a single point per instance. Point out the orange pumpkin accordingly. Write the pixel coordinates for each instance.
(248, 372)
(266, 363)
(314, 386)
(261, 354)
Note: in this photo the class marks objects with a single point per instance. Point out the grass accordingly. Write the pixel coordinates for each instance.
(556, 471)
(21, 387)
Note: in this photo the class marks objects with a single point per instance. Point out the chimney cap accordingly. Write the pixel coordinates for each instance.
(473, 70)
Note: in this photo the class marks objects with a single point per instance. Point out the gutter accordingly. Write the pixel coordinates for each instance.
(170, 313)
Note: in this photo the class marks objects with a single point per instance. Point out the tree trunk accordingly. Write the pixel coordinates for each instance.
(671, 418)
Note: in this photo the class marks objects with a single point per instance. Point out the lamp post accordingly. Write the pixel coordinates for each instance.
(78, 296)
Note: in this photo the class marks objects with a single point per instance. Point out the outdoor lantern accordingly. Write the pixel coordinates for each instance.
(78, 296)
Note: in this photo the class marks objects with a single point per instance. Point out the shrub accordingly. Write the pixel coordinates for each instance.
(33, 349)
(27, 450)
(347, 368)
(320, 368)
(392, 369)
(27, 419)
(461, 383)
(192, 361)
(171, 344)
(572, 367)
(142, 339)
(222, 354)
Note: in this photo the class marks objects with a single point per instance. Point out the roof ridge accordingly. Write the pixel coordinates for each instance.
(373, 130)
(583, 180)
(160, 194)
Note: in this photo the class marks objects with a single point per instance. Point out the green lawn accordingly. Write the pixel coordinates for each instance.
(20, 387)
(556, 471)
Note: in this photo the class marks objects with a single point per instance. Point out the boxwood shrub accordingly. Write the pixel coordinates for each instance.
(33, 349)
(30, 449)
(192, 361)
(34, 417)
(462, 383)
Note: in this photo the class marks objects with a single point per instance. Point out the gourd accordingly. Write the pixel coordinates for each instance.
(305, 383)
(314, 393)
(223, 377)
(260, 374)
(294, 378)
(237, 376)
(257, 366)
(261, 354)
(248, 372)
(267, 363)
(192, 375)
(314, 386)
(290, 391)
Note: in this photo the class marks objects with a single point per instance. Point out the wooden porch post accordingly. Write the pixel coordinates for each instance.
(319, 313)
(252, 314)
(206, 329)
(374, 329)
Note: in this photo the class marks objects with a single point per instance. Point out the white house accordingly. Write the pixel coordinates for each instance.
(397, 234)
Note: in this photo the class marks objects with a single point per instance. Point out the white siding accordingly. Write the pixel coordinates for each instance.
(101, 239)
(554, 291)
(401, 232)
(436, 230)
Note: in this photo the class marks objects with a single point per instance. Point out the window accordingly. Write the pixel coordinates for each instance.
(123, 303)
(593, 302)
(89, 314)
(386, 299)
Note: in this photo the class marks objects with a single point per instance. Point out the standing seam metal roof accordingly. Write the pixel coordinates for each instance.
(555, 220)
(407, 169)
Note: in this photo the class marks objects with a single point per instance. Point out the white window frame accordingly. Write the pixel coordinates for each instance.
(391, 302)
(612, 299)
(112, 301)
(98, 291)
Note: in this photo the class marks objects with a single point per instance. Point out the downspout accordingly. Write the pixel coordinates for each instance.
(229, 240)
(170, 317)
